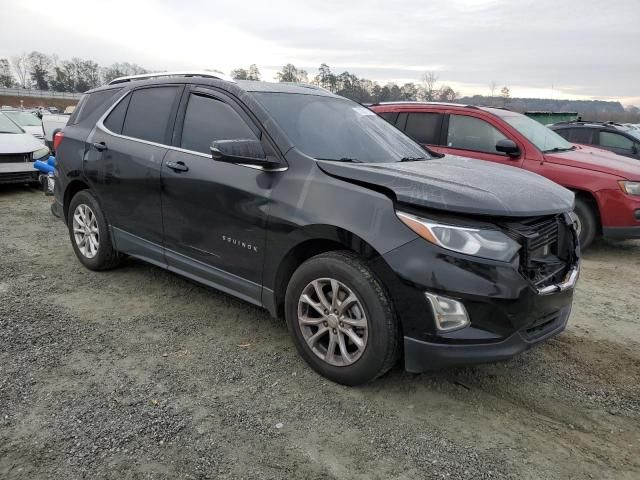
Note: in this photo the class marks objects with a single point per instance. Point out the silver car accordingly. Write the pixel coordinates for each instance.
(18, 150)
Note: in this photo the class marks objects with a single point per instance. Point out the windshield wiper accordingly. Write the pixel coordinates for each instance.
(412, 159)
(557, 149)
(343, 159)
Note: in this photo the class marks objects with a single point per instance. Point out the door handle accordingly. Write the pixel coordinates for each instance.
(100, 146)
(177, 166)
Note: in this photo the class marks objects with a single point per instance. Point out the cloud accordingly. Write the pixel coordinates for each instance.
(579, 48)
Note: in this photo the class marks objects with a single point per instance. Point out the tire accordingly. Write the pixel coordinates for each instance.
(91, 223)
(370, 318)
(586, 223)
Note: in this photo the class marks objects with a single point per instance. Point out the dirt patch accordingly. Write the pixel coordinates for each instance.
(139, 373)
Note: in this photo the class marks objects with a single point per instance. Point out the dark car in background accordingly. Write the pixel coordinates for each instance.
(607, 186)
(313, 207)
(615, 137)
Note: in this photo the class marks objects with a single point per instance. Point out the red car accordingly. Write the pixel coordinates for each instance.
(607, 186)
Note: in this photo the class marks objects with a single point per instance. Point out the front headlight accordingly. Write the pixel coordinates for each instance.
(40, 153)
(632, 188)
(484, 243)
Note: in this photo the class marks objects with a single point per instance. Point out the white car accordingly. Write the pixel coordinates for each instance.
(27, 121)
(18, 150)
(52, 124)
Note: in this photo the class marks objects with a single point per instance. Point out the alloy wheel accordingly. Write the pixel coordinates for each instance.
(333, 322)
(577, 223)
(85, 230)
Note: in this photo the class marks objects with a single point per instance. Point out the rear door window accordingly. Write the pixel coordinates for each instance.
(208, 119)
(149, 115)
(470, 133)
(424, 127)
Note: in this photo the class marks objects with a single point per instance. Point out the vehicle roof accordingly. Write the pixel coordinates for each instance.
(284, 87)
(244, 85)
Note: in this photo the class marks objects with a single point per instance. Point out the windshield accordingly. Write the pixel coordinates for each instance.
(7, 126)
(634, 132)
(542, 137)
(330, 128)
(24, 119)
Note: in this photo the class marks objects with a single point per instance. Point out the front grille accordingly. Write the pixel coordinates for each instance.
(18, 177)
(15, 157)
(548, 248)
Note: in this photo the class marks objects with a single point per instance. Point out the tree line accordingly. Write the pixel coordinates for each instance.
(363, 90)
(48, 72)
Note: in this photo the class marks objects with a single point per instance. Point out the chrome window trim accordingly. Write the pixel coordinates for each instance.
(101, 126)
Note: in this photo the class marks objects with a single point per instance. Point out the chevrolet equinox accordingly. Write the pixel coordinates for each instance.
(315, 208)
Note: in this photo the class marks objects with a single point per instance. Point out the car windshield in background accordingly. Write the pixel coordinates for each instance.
(7, 125)
(634, 132)
(330, 128)
(24, 119)
(542, 137)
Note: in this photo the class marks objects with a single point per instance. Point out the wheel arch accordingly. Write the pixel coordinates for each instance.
(592, 201)
(74, 187)
(312, 241)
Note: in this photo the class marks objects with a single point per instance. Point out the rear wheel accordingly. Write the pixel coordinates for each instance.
(341, 318)
(89, 233)
(586, 223)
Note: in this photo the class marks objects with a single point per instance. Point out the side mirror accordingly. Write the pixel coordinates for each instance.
(242, 151)
(634, 149)
(509, 147)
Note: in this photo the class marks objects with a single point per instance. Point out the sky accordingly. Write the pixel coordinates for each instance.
(574, 49)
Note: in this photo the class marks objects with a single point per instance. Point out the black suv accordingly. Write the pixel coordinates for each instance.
(315, 208)
(621, 139)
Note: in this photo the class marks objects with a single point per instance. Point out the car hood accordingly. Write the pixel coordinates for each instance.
(598, 160)
(18, 143)
(462, 185)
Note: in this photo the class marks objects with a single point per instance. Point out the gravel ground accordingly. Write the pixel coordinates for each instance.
(137, 373)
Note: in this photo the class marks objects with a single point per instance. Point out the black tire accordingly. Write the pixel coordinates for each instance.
(106, 256)
(381, 350)
(588, 223)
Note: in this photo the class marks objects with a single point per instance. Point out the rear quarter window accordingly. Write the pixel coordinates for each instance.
(91, 105)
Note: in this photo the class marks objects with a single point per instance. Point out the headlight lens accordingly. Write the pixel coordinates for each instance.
(41, 153)
(491, 244)
(632, 188)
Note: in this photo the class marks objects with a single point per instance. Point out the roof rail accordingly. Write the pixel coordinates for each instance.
(418, 102)
(589, 122)
(145, 76)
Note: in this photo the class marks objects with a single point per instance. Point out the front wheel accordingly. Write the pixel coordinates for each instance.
(586, 223)
(341, 318)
